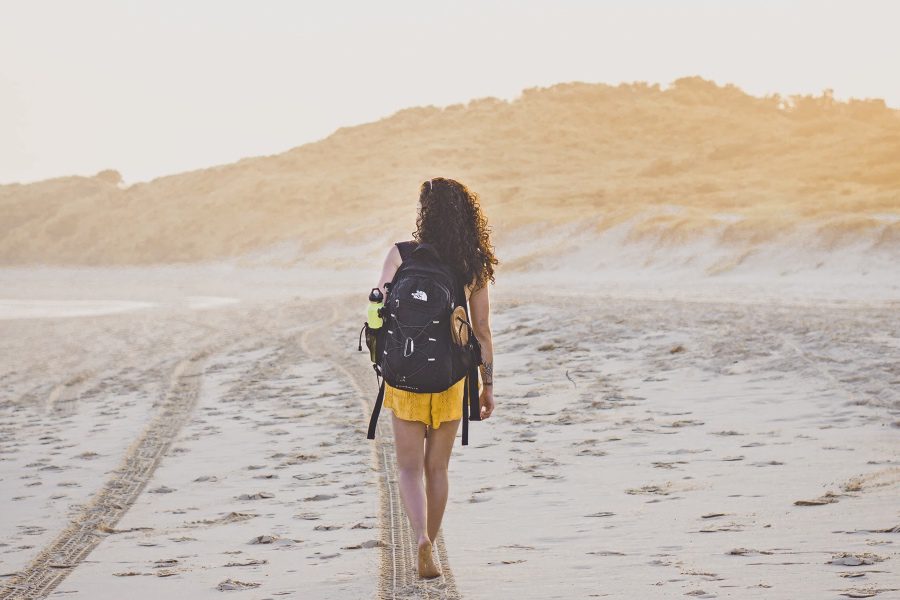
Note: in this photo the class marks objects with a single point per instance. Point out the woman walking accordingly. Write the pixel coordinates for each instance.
(425, 424)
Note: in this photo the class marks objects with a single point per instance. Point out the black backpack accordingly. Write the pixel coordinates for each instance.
(413, 349)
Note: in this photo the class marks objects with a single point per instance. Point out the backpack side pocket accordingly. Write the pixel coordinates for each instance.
(374, 341)
(469, 352)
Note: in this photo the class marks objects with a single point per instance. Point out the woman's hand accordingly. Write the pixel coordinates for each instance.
(486, 401)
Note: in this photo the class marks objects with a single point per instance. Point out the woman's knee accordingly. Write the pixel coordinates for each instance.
(410, 471)
(435, 469)
(410, 462)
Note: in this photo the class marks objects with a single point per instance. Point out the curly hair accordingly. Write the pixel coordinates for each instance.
(450, 219)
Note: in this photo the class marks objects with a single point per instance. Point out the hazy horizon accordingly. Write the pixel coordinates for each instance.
(106, 85)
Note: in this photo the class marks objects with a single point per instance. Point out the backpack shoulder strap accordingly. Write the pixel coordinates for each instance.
(406, 248)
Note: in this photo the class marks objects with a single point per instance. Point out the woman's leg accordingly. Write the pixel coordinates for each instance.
(409, 438)
(438, 446)
(409, 442)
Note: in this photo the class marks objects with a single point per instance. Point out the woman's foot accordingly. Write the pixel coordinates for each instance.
(427, 567)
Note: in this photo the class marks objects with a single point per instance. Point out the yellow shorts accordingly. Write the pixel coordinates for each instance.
(431, 409)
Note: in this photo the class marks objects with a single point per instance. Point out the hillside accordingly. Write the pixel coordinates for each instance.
(693, 161)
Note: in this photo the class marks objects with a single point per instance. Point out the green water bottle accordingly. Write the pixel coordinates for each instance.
(376, 301)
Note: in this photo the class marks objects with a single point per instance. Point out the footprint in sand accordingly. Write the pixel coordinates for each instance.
(660, 490)
(366, 544)
(320, 497)
(250, 562)
(233, 584)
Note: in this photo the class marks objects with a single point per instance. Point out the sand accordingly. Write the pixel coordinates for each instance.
(658, 448)
(643, 446)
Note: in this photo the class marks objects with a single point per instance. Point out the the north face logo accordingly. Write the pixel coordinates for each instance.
(420, 295)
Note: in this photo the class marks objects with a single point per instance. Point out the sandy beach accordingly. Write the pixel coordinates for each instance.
(696, 325)
(212, 437)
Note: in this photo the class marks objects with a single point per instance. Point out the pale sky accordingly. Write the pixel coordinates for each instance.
(158, 87)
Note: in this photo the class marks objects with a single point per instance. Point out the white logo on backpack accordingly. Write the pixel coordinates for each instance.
(420, 295)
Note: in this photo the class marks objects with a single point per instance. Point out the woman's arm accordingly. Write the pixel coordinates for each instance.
(480, 306)
(391, 262)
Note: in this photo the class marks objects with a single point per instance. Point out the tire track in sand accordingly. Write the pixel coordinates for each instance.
(101, 513)
(398, 574)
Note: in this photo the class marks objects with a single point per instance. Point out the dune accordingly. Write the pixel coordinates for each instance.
(696, 165)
